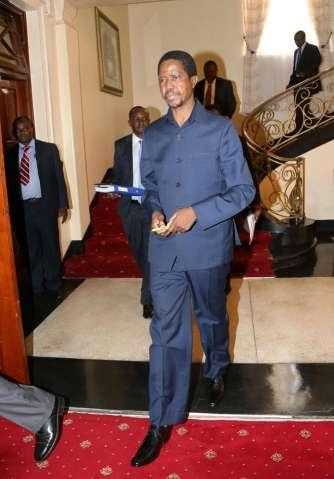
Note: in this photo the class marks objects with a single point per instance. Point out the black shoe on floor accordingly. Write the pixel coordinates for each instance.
(47, 436)
(147, 311)
(151, 446)
(54, 294)
(216, 390)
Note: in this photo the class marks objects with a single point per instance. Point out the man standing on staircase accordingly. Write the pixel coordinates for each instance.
(135, 219)
(306, 63)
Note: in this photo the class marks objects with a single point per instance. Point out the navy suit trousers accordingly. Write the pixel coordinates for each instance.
(174, 293)
(136, 224)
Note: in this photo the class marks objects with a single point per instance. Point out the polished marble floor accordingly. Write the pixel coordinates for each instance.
(287, 390)
(276, 320)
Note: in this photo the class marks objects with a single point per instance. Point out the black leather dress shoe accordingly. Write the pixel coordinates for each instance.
(151, 446)
(54, 294)
(47, 436)
(147, 311)
(215, 391)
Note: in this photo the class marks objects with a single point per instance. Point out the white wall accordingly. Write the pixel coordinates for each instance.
(319, 182)
(53, 52)
(319, 172)
(105, 116)
(206, 29)
(69, 108)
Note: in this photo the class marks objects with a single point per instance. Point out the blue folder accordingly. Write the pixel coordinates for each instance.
(120, 190)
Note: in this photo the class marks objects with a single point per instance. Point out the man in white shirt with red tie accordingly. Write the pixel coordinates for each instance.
(215, 93)
(135, 219)
(37, 196)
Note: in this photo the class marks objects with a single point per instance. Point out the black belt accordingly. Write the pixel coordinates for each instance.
(136, 202)
(32, 200)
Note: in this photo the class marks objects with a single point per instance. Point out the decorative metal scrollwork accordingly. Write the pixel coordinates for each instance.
(277, 123)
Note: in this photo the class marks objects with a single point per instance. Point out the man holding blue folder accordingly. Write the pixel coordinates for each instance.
(135, 219)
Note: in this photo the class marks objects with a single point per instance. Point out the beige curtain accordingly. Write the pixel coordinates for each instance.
(254, 14)
(320, 11)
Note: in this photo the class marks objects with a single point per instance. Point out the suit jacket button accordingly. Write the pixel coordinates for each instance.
(178, 160)
(178, 184)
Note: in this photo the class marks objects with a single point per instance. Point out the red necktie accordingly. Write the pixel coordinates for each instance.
(208, 95)
(24, 167)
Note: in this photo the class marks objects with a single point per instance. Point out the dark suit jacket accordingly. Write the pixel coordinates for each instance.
(51, 176)
(307, 67)
(123, 171)
(224, 95)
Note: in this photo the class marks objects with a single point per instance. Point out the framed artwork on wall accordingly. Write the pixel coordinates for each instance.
(109, 54)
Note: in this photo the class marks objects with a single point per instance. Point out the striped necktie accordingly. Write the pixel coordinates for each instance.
(24, 167)
(207, 101)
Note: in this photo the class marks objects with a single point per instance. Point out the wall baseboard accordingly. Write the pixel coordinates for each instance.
(75, 247)
(324, 226)
(78, 246)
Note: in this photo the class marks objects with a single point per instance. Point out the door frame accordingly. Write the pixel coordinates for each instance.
(13, 358)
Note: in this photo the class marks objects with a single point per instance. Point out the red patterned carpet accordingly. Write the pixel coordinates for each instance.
(100, 446)
(107, 253)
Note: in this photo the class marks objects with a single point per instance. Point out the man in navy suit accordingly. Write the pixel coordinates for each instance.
(135, 219)
(306, 63)
(37, 196)
(215, 92)
(196, 180)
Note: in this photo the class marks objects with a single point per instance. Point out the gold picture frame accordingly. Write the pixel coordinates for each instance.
(109, 54)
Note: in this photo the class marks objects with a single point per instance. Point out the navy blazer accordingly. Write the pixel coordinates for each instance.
(123, 167)
(200, 164)
(224, 95)
(123, 170)
(307, 67)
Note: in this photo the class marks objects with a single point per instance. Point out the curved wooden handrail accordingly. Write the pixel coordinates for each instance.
(291, 88)
(281, 120)
(302, 87)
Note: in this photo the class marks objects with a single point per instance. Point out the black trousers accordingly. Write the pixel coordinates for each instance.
(42, 239)
(136, 224)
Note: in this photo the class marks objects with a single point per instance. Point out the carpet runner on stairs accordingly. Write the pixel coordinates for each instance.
(108, 255)
(99, 446)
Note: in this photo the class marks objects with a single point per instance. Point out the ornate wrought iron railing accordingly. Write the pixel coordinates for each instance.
(275, 124)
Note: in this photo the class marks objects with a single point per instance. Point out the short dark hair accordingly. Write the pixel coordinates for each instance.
(210, 62)
(185, 58)
(18, 120)
(301, 33)
(134, 110)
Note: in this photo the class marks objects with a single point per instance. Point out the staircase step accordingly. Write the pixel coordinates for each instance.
(307, 141)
